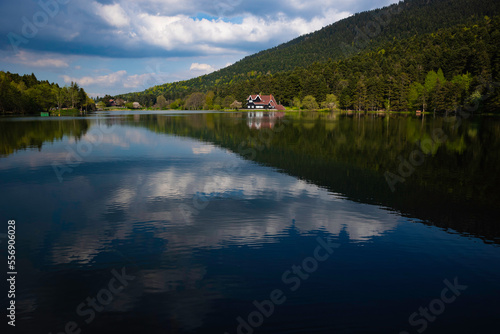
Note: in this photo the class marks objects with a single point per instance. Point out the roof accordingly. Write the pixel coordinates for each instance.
(265, 99)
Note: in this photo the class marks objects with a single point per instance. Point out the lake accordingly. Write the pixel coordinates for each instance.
(203, 222)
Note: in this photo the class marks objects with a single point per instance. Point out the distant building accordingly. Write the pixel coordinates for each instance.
(112, 103)
(263, 102)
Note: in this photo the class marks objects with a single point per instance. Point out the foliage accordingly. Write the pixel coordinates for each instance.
(331, 102)
(235, 105)
(101, 105)
(228, 100)
(310, 103)
(195, 101)
(120, 102)
(25, 94)
(161, 102)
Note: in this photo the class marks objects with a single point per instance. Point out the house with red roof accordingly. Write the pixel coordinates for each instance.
(263, 102)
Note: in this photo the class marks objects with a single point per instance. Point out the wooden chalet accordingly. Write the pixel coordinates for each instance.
(263, 102)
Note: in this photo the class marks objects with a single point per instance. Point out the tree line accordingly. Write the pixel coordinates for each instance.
(26, 94)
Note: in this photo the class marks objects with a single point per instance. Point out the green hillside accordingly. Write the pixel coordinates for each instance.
(363, 31)
(385, 71)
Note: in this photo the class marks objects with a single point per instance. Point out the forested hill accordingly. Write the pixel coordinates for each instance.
(367, 30)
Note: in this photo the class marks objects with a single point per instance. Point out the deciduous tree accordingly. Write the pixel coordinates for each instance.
(309, 102)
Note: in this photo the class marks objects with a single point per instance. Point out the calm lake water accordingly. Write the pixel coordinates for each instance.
(166, 222)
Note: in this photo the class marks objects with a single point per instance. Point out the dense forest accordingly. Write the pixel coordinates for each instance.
(415, 55)
(25, 94)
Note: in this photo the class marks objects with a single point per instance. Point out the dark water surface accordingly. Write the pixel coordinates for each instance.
(252, 223)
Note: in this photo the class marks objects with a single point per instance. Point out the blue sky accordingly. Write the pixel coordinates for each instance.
(120, 46)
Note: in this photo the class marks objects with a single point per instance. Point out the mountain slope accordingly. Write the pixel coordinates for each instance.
(365, 30)
(362, 31)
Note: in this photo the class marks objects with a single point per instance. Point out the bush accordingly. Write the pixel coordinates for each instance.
(309, 102)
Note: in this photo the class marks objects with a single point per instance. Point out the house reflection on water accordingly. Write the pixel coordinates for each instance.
(263, 119)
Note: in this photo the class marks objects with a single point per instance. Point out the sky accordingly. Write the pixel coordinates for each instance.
(120, 46)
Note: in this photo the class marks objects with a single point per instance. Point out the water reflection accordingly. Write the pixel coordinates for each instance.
(205, 231)
(19, 134)
(120, 188)
(263, 120)
(351, 156)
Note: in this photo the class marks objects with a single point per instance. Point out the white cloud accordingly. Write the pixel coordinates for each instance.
(113, 14)
(176, 27)
(116, 79)
(95, 94)
(103, 80)
(201, 67)
(138, 80)
(217, 36)
(144, 27)
(48, 63)
(37, 60)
